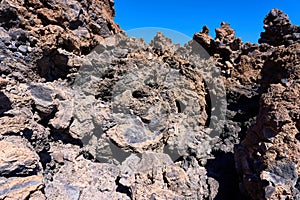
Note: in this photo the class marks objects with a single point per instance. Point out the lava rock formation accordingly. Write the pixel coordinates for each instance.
(87, 112)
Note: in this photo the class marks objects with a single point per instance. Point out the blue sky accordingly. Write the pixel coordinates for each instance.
(188, 17)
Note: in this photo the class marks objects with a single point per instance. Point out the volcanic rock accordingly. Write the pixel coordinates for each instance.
(87, 112)
(39, 29)
(279, 30)
(22, 187)
(267, 157)
(17, 160)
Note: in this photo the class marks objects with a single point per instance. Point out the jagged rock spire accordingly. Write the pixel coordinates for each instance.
(278, 29)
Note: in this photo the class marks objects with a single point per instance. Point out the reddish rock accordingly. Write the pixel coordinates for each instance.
(268, 158)
(42, 28)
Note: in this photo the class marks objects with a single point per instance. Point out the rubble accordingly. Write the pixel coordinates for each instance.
(87, 112)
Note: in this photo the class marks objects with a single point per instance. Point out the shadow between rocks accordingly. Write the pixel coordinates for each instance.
(5, 104)
(222, 168)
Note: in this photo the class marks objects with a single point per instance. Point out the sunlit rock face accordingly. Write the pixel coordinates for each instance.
(87, 112)
(268, 158)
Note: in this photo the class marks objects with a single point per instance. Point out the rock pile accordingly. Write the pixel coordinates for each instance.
(87, 113)
(279, 30)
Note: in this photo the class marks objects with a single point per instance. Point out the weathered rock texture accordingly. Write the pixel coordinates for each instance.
(279, 30)
(39, 41)
(128, 120)
(49, 33)
(268, 158)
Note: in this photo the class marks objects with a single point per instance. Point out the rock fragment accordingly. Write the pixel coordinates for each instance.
(21, 187)
(17, 160)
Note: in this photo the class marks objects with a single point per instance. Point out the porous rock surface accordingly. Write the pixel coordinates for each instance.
(49, 33)
(128, 120)
(268, 158)
(264, 81)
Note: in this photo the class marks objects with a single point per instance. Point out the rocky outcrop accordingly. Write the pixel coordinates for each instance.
(20, 169)
(46, 33)
(87, 113)
(149, 100)
(265, 73)
(268, 157)
(79, 178)
(17, 160)
(38, 42)
(29, 187)
(279, 30)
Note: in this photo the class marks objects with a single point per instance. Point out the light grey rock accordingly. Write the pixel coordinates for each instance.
(17, 158)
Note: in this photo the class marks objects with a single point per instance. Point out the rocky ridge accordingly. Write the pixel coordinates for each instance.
(267, 74)
(143, 137)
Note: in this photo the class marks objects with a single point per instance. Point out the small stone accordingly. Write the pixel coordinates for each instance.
(296, 35)
(229, 65)
(41, 95)
(269, 190)
(18, 54)
(58, 157)
(12, 47)
(30, 49)
(22, 48)
(269, 133)
(3, 82)
(63, 116)
(5, 103)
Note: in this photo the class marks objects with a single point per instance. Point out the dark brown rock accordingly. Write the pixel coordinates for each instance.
(5, 103)
(279, 30)
(252, 70)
